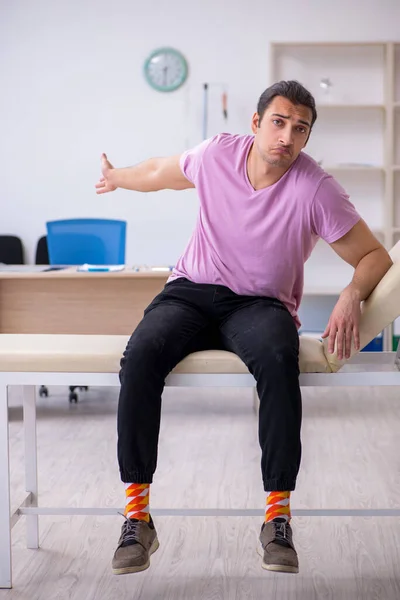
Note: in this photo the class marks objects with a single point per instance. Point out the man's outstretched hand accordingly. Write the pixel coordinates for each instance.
(343, 324)
(104, 184)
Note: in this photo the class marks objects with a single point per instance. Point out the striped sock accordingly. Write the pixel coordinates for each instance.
(137, 501)
(277, 505)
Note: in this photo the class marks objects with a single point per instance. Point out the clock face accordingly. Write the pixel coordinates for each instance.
(165, 69)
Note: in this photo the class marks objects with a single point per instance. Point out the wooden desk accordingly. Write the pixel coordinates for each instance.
(69, 301)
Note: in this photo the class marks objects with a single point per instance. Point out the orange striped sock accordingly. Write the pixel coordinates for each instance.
(278, 505)
(137, 501)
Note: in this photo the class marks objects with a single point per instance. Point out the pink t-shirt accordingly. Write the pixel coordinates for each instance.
(256, 242)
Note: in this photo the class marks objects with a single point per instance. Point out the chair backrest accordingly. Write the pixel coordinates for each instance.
(42, 253)
(93, 241)
(11, 250)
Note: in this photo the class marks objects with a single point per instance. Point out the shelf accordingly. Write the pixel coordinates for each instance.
(351, 168)
(323, 290)
(341, 138)
(396, 82)
(352, 106)
(328, 44)
(396, 201)
(356, 72)
(315, 334)
(356, 86)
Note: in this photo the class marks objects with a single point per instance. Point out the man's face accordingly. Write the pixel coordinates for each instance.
(282, 132)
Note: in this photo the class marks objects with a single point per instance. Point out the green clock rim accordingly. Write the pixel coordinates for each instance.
(169, 88)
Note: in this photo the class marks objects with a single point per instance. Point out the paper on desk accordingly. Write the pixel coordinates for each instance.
(23, 268)
(87, 267)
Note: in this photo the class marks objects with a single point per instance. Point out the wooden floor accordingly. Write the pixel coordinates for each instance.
(209, 457)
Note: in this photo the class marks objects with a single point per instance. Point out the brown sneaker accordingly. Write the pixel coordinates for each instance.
(137, 543)
(279, 551)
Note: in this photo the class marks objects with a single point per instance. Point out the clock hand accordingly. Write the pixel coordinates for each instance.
(165, 69)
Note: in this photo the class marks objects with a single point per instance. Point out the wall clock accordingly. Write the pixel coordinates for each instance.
(166, 69)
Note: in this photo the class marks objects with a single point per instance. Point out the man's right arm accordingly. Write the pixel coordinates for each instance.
(151, 175)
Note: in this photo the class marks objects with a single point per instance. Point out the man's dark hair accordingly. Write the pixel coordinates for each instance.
(293, 91)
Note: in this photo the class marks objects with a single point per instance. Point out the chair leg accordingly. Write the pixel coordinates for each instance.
(397, 357)
(73, 396)
(256, 401)
(31, 478)
(5, 521)
(43, 391)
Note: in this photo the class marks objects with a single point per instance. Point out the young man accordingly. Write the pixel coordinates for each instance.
(263, 205)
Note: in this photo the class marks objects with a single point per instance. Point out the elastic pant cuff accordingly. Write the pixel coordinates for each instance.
(279, 485)
(136, 477)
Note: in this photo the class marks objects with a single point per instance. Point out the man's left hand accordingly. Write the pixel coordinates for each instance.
(343, 324)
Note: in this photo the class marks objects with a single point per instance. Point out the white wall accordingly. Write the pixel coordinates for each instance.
(71, 87)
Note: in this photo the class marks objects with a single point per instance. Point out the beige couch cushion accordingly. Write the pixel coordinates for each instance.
(378, 311)
(312, 358)
(61, 353)
(102, 353)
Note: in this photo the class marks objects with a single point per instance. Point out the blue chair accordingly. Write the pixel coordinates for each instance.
(80, 241)
(93, 241)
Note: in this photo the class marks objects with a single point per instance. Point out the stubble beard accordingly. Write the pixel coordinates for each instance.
(276, 162)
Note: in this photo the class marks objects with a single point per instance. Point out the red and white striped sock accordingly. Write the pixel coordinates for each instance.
(277, 505)
(137, 501)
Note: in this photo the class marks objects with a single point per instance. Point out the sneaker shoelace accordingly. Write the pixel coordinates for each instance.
(130, 531)
(282, 534)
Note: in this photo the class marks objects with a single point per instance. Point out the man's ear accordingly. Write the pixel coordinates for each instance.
(255, 122)
(307, 139)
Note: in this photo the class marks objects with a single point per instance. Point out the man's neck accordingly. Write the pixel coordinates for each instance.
(260, 173)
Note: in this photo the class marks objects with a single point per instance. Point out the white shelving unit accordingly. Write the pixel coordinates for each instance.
(356, 137)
